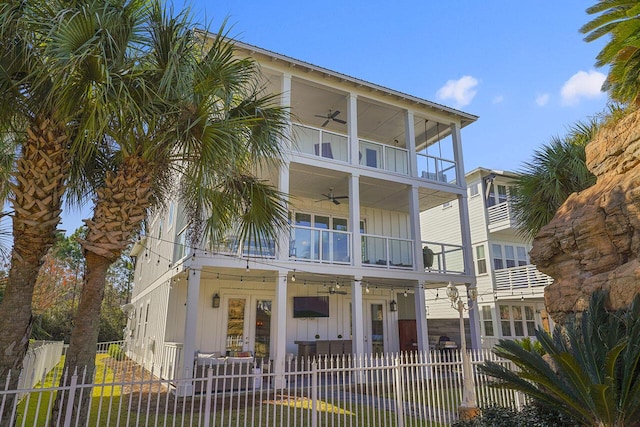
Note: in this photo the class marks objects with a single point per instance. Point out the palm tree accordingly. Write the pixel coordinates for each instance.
(198, 129)
(591, 369)
(556, 171)
(61, 64)
(620, 19)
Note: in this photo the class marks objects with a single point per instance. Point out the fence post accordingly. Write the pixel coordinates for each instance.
(314, 393)
(398, 393)
(72, 396)
(207, 403)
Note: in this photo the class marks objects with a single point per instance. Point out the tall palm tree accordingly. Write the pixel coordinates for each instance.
(59, 68)
(591, 369)
(556, 170)
(197, 131)
(620, 19)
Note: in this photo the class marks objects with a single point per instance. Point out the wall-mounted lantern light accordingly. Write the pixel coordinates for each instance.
(215, 303)
(393, 305)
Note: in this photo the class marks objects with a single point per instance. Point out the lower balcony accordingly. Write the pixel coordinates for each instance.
(320, 245)
(387, 252)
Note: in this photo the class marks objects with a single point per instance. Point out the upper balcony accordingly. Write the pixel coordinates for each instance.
(501, 216)
(521, 280)
(335, 146)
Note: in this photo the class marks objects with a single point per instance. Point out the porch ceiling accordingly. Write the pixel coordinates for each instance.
(311, 182)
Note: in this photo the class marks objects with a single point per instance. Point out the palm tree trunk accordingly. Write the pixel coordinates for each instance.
(120, 210)
(40, 182)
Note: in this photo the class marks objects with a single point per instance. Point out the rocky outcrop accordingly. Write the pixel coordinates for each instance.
(593, 242)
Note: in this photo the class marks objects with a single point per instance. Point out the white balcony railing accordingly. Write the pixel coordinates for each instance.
(436, 168)
(389, 252)
(320, 245)
(444, 258)
(520, 279)
(382, 156)
(232, 245)
(320, 142)
(501, 216)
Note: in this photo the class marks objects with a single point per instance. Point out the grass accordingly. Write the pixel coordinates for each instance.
(111, 402)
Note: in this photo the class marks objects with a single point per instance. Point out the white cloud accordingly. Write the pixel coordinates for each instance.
(497, 99)
(582, 85)
(461, 91)
(542, 99)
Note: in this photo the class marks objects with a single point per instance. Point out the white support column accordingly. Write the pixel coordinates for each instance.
(465, 231)
(357, 316)
(410, 141)
(285, 235)
(414, 214)
(190, 325)
(354, 220)
(280, 327)
(283, 176)
(421, 318)
(352, 123)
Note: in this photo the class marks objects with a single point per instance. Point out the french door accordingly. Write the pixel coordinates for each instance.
(248, 325)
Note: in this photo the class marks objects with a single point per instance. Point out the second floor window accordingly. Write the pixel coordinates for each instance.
(481, 260)
(508, 256)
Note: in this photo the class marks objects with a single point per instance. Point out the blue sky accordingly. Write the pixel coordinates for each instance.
(523, 67)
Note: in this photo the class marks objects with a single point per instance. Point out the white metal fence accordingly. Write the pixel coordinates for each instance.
(41, 357)
(414, 389)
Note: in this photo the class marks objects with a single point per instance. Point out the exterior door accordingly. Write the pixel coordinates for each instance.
(249, 325)
(375, 318)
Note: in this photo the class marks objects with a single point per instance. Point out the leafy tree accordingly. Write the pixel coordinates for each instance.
(591, 369)
(619, 19)
(60, 63)
(196, 131)
(556, 171)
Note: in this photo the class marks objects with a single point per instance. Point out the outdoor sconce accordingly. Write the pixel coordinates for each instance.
(215, 303)
(393, 305)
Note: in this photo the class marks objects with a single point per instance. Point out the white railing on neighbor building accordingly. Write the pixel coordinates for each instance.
(41, 357)
(396, 390)
(520, 279)
(501, 216)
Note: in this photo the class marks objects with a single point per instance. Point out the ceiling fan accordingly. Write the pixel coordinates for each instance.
(332, 197)
(331, 116)
(332, 291)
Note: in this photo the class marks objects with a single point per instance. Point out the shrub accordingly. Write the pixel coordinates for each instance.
(116, 351)
(533, 415)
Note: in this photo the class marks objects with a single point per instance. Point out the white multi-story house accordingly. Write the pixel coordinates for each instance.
(348, 277)
(510, 289)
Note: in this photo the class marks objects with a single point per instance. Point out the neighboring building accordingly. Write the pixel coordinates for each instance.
(510, 289)
(348, 277)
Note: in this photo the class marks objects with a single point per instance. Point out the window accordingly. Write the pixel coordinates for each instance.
(508, 256)
(160, 230)
(523, 259)
(473, 190)
(517, 320)
(498, 193)
(505, 320)
(530, 320)
(498, 263)
(481, 261)
(172, 208)
(487, 321)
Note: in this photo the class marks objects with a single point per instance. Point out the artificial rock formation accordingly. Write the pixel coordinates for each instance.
(593, 242)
